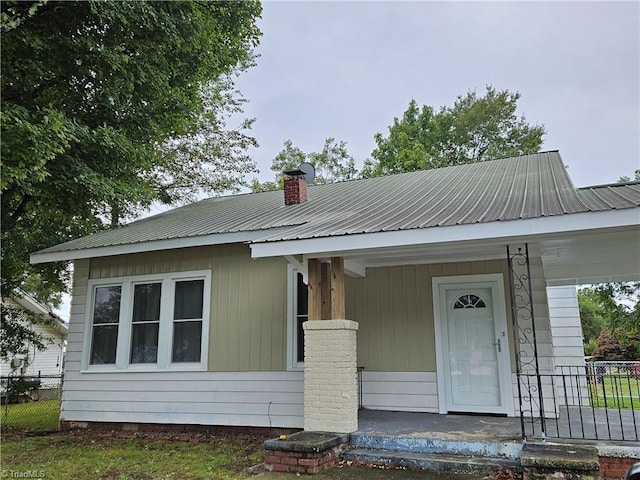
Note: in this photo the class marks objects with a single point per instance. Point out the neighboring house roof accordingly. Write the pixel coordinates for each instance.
(28, 302)
(524, 187)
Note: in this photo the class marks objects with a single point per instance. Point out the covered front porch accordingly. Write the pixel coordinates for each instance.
(485, 443)
(365, 280)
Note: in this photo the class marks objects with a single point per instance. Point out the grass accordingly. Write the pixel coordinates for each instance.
(616, 392)
(42, 415)
(70, 456)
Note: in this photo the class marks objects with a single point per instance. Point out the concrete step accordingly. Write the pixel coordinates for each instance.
(486, 447)
(436, 462)
(553, 460)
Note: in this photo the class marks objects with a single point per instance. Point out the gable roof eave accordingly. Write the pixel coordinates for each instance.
(27, 301)
(151, 246)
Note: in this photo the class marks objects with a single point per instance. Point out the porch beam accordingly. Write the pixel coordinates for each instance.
(314, 289)
(337, 288)
(325, 289)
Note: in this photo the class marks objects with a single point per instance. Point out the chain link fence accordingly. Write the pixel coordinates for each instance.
(30, 403)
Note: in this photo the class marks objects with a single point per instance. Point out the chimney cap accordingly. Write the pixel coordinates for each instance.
(305, 170)
(296, 172)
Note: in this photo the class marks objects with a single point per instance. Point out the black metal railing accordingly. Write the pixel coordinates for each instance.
(525, 343)
(599, 401)
(30, 402)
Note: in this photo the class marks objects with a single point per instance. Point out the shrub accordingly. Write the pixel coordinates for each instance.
(589, 347)
(610, 347)
(19, 389)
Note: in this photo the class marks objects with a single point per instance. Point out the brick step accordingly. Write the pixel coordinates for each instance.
(435, 462)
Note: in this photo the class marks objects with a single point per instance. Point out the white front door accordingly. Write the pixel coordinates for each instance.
(473, 348)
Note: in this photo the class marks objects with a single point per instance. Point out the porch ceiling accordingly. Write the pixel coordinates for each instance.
(569, 258)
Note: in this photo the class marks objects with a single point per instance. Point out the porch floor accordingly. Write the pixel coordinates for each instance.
(574, 423)
(433, 425)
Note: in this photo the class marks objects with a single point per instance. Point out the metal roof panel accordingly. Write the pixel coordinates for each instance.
(528, 186)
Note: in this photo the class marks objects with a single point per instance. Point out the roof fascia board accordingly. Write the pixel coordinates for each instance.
(512, 229)
(156, 245)
(26, 301)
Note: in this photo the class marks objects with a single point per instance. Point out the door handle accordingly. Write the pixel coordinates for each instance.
(498, 344)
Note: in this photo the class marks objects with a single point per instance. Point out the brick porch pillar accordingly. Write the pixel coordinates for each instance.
(330, 376)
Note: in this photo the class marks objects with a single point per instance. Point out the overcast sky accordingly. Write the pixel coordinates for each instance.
(346, 69)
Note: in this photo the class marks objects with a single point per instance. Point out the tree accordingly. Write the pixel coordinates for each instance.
(614, 348)
(474, 129)
(610, 313)
(627, 179)
(332, 164)
(16, 335)
(592, 315)
(107, 107)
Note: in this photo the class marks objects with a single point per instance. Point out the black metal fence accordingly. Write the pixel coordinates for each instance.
(600, 401)
(30, 403)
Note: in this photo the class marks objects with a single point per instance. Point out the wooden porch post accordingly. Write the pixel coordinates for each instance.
(330, 360)
(337, 288)
(326, 290)
(315, 300)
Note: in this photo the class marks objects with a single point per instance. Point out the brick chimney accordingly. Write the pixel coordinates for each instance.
(295, 190)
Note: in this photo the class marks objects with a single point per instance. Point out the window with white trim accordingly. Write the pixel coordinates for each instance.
(148, 322)
(297, 314)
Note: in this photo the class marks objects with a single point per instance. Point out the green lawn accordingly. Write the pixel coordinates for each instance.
(42, 415)
(71, 456)
(616, 392)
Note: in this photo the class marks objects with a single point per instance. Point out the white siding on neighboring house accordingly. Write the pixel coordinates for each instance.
(40, 362)
(43, 362)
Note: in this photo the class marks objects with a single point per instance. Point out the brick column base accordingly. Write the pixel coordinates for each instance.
(330, 376)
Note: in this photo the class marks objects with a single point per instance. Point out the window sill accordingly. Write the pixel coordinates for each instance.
(146, 369)
(296, 368)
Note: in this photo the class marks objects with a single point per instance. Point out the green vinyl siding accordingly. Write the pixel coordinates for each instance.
(394, 309)
(248, 300)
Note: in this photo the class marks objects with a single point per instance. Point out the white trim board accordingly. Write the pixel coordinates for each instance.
(152, 246)
(509, 230)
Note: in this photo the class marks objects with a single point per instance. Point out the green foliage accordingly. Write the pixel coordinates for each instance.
(592, 315)
(20, 389)
(16, 334)
(474, 129)
(108, 106)
(610, 313)
(618, 347)
(332, 164)
(590, 347)
(627, 179)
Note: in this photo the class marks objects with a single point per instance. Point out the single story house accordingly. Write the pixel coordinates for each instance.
(47, 362)
(424, 291)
